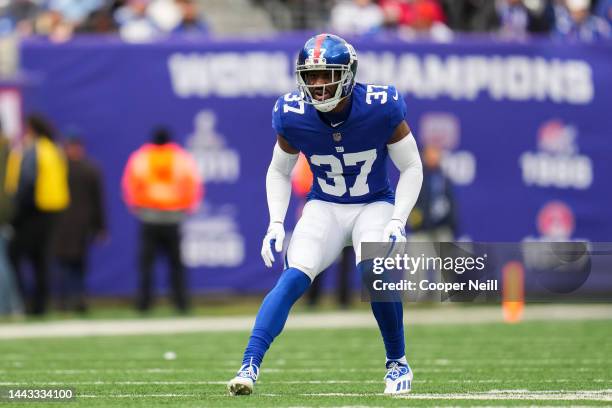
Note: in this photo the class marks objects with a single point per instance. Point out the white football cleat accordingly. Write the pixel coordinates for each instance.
(398, 379)
(244, 382)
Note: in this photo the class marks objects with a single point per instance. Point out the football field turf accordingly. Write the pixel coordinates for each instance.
(492, 364)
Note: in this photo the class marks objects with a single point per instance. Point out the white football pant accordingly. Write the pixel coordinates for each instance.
(326, 228)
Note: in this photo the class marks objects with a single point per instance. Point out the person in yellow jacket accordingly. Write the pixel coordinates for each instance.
(37, 177)
(161, 185)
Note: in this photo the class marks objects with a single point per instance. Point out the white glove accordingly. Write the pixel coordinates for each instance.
(275, 236)
(394, 232)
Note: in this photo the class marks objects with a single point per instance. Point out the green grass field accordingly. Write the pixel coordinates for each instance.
(535, 363)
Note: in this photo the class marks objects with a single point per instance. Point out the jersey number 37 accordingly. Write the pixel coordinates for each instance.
(337, 186)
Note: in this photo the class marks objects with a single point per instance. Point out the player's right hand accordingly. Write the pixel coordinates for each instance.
(275, 236)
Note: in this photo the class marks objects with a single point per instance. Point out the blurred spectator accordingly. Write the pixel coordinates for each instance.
(78, 225)
(433, 217)
(52, 24)
(74, 12)
(191, 22)
(18, 16)
(40, 184)
(516, 20)
(471, 15)
(513, 18)
(299, 14)
(412, 12)
(99, 21)
(541, 15)
(161, 185)
(58, 19)
(604, 10)
(574, 21)
(134, 22)
(143, 20)
(357, 17)
(165, 14)
(10, 300)
(417, 17)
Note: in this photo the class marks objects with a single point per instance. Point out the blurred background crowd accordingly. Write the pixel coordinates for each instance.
(142, 20)
(132, 19)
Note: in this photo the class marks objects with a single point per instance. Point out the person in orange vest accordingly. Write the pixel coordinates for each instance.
(161, 185)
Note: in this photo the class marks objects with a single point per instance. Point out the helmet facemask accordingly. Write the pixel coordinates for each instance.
(341, 78)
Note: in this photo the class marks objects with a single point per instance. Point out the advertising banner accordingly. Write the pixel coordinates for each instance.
(525, 129)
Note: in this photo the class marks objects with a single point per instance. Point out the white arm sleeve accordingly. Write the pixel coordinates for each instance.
(405, 156)
(278, 183)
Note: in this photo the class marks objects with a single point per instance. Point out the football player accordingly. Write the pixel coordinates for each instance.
(346, 130)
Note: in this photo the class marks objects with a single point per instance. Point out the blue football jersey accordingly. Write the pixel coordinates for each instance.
(348, 161)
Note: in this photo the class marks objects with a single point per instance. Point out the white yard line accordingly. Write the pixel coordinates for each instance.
(497, 395)
(446, 314)
(557, 396)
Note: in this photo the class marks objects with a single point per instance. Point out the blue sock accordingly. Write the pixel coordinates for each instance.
(390, 318)
(273, 313)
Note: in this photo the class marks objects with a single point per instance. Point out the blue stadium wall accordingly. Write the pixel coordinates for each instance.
(526, 129)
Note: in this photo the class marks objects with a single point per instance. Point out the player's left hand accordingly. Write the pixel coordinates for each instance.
(275, 236)
(394, 232)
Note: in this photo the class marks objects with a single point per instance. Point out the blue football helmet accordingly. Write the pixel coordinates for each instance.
(326, 52)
